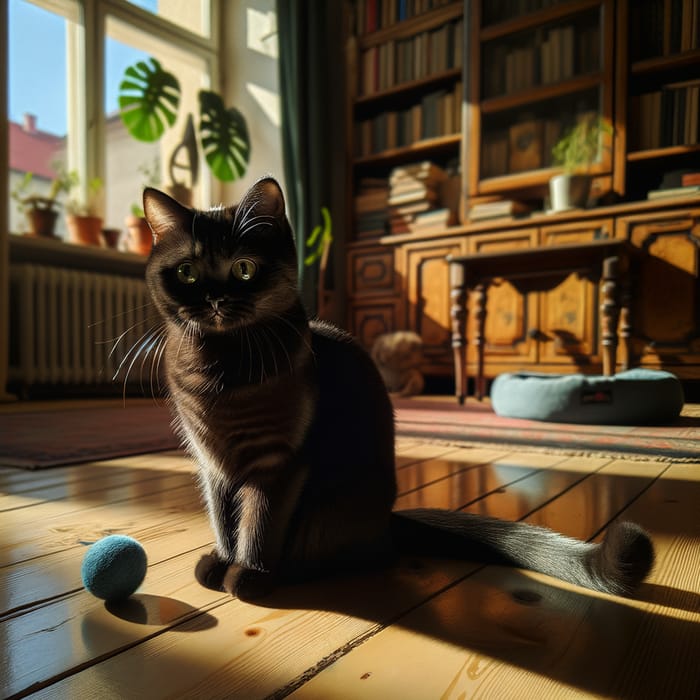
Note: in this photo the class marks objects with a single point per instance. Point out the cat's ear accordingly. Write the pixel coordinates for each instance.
(164, 214)
(268, 198)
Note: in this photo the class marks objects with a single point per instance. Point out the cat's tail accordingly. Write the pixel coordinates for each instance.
(616, 565)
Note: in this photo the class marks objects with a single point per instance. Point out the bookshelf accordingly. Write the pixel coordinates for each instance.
(481, 91)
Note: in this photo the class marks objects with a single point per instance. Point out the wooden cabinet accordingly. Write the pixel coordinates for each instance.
(427, 294)
(481, 91)
(531, 320)
(666, 318)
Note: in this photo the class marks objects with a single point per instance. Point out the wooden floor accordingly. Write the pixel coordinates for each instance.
(424, 630)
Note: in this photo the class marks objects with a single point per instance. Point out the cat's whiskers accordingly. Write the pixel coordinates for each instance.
(119, 338)
(143, 343)
(134, 347)
(122, 313)
(255, 222)
(155, 361)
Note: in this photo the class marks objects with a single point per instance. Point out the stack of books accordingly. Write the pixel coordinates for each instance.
(689, 186)
(371, 205)
(497, 209)
(414, 192)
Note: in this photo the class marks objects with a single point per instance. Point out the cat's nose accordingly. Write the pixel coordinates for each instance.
(214, 301)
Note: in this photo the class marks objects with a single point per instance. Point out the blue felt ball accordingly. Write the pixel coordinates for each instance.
(114, 567)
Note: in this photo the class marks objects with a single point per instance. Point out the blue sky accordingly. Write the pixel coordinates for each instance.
(37, 76)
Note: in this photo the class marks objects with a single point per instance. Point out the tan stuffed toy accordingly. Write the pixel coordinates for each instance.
(398, 356)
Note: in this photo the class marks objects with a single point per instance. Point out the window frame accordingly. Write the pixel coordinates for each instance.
(85, 56)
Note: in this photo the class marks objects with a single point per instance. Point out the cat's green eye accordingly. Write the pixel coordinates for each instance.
(187, 272)
(244, 269)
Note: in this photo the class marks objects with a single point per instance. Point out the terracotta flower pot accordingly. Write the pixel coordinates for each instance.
(84, 230)
(42, 222)
(111, 237)
(139, 235)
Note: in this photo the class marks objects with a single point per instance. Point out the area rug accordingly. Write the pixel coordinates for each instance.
(42, 439)
(445, 420)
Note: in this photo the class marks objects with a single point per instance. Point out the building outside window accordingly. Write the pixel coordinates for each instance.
(66, 61)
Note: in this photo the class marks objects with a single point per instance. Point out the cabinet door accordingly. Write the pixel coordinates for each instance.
(511, 312)
(569, 308)
(368, 319)
(666, 306)
(371, 271)
(427, 286)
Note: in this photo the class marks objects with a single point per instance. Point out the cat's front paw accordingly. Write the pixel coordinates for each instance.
(210, 571)
(247, 584)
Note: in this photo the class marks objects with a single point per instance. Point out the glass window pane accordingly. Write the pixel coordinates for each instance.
(130, 164)
(38, 104)
(193, 15)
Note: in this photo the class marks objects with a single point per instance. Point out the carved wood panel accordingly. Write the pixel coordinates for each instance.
(510, 312)
(368, 320)
(428, 297)
(569, 321)
(577, 232)
(372, 272)
(666, 312)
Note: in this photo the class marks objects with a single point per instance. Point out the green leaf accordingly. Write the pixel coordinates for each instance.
(224, 136)
(149, 98)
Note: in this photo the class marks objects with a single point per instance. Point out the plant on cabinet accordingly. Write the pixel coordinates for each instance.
(577, 150)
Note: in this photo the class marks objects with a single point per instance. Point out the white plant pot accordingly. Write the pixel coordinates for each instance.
(569, 191)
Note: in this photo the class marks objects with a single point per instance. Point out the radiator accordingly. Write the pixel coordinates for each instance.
(76, 328)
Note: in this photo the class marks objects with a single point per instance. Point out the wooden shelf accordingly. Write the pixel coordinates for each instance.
(664, 63)
(538, 93)
(422, 85)
(414, 25)
(535, 19)
(652, 153)
(418, 149)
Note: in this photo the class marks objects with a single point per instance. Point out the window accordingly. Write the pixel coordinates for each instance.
(66, 61)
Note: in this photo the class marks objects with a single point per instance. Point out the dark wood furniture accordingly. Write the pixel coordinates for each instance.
(625, 58)
(606, 261)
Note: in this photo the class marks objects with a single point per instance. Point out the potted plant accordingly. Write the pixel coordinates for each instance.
(82, 214)
(139, 237)
(41, 211)
(149, 98)
(575, 152)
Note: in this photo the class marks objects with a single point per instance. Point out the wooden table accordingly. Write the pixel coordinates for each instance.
(611, 260)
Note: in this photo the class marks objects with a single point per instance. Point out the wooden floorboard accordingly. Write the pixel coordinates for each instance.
(424, 629)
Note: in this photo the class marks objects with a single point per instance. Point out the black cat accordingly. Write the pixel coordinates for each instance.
(291, 426)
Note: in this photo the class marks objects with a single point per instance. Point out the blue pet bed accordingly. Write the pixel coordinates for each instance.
(634, 397)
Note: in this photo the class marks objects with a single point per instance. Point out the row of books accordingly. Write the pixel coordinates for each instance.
(552, 56)
(437, 114)
(654, 32)
(667, 117)
(401, 61)
(371, 15)
(416, 198)
(496, 11)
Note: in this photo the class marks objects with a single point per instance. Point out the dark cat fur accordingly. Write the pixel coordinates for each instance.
(292, 427)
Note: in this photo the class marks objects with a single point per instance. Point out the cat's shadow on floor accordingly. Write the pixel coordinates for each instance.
(579, 638)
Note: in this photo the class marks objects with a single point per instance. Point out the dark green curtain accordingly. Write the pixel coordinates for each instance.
(313, 94)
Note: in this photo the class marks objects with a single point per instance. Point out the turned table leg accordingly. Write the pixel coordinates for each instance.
(610, 309)
(458, 314)
(479, 341)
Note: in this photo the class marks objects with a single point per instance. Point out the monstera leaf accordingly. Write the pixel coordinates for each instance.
(149, 98)
(225, 138)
